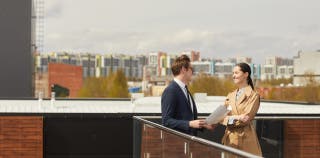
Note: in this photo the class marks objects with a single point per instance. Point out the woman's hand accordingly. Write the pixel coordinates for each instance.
(226, 102)
(243, 118)
(210, 127)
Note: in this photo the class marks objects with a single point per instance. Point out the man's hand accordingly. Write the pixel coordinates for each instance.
(197, 123)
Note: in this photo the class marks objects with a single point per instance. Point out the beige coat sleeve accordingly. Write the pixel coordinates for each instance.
(250, 108)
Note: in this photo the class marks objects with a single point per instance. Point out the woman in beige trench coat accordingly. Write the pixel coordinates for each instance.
(244, 101)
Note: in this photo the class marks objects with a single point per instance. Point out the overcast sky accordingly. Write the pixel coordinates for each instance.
(216, 28)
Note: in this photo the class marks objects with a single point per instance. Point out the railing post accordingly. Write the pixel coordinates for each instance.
(185, 148)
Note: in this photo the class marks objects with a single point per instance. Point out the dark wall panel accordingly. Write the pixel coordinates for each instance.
(88, 136)
(15, 48)
(270, 135)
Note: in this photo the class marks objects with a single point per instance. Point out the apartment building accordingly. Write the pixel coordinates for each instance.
(276, 68)
(206, 67)
(94, 65)
(306, 65)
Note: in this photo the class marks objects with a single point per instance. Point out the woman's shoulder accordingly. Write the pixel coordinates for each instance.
(254, 94)
(232, 93)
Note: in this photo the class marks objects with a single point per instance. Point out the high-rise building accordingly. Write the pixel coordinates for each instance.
(306, 65)
(88, 63)
(224, 69)
(94, 65)
(16, 48)
(193, 55)
(162, 62)
(244, 60)
(142, 61)
(206, 67)
(276, 68)
(39, 24)
(255, 71)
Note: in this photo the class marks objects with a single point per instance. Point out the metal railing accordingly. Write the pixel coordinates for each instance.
(275, 134)
(223, 148)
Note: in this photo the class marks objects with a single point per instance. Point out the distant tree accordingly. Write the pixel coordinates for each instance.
(113, 86)
(312, 88)
(308, 93)
(213, 86)
(274, 82)
(118, 87)
(93, 87)
(287, 94)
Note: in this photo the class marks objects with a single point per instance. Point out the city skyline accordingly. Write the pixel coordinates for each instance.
(216, 29)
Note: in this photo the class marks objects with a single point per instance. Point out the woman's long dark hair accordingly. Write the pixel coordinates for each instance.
(244, 67)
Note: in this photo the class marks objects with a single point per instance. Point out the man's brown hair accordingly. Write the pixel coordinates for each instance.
(178, 63)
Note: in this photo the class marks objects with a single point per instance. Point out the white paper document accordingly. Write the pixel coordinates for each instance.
(218, 114)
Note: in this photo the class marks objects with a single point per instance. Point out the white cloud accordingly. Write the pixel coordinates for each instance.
(53, 9)
(215, 28)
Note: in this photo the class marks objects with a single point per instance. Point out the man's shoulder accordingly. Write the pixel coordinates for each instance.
(173, 86)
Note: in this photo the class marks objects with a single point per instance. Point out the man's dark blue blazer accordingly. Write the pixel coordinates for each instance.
(176, 111)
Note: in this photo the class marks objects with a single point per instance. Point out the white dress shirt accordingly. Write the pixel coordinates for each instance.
(182, 86)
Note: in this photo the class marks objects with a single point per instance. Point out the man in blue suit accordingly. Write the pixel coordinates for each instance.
(178, 108)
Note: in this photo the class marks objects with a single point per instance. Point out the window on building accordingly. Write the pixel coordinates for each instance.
(290, 70)
(107, 62)
(116, 62)
(268, 70)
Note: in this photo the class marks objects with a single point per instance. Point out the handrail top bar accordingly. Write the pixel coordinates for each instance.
(197, 139)
(260, 117)
(285, 117)
(128, 99)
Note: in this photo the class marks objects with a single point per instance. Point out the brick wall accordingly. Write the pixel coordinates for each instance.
(302, 138)
(21, 136)
(68, 76)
